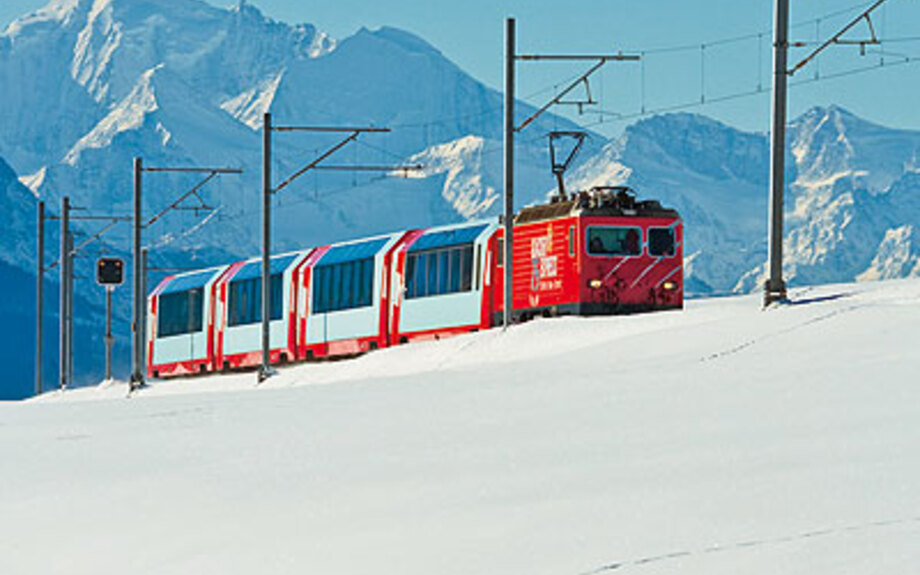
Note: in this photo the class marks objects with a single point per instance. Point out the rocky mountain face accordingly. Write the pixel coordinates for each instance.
(852, 199)
(99, 82)
(88, 85)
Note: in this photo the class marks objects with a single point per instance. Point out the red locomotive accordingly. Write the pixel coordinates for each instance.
(590, 253)
(597, 252)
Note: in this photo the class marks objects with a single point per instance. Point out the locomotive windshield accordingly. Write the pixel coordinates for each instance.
(661, 242)
(614, 241)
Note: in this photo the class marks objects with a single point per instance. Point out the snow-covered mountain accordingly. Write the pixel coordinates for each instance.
(853, 203)
(186, 83)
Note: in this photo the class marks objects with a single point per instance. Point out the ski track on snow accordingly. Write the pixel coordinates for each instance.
(808, 323)
(753, 543)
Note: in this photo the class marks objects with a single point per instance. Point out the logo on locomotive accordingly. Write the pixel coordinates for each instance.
(545, 264)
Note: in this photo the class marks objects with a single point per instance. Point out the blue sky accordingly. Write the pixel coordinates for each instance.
(471, 34)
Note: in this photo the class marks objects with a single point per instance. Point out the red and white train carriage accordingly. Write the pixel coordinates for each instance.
(591, 253)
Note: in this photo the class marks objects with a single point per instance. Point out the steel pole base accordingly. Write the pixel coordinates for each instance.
(136, 382)
(264, 373)
(774, 291)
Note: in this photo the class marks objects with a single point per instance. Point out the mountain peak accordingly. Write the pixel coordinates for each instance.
(830, 142)
(58, 11)
(396, 36)
(709, 146)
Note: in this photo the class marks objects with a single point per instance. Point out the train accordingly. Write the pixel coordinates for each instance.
(596, 252)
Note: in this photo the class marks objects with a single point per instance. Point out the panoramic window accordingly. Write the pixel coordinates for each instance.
(341, 286)
(180, 312)
(244, 305)
(439, 272)
(614, 241)
(661, 242)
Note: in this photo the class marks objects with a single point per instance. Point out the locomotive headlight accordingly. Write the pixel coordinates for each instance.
(669, 286)
(596, 284)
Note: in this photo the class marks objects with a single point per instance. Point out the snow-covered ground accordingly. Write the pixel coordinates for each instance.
(720, 439)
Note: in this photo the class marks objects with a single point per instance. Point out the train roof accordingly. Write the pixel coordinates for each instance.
(600, 201)
(189, 280)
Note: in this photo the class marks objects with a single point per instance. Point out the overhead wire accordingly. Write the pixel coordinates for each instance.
(607, 115)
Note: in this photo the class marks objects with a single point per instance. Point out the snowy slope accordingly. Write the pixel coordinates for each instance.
(717, 440)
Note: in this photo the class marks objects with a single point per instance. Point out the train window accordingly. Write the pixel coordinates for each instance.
(453, 277)
(343, 285)
(418, 280)
(661, 242)
(432, 273)
(336, 293)
(439, 271)
(466, 268)
(500, 255)
(444, 271)
(365, 275)
(180, 313)
(244, 303)
(477, 272)
(347, 290)
(614, 241)
(572, 241)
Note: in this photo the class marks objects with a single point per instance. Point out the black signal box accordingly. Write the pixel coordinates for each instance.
(110, 272)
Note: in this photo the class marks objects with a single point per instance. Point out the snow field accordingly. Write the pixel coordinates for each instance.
(720, 439)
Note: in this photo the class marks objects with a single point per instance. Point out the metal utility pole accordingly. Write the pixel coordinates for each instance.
(143, 340)
(39, 296)
(775, 288)
(137, 372)
(108, 333)
(508, 216)
(70, 307)
(265, 368)
(64, 283)
(268, 191)
(511, 56)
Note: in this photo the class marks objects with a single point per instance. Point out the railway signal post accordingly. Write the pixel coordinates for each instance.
(109, 274)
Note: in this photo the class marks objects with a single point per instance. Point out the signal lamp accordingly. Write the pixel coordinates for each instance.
(670, 286)
(595, 283)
